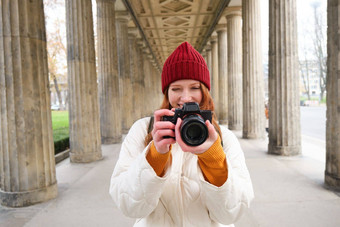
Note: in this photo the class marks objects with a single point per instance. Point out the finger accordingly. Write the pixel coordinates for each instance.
(165, 142)
(161, 125)
(178, 137)
(177, 127)
(159, 135)
(211, 130)
(158, 114)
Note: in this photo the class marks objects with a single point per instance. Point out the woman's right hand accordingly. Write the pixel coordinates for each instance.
(162, 129)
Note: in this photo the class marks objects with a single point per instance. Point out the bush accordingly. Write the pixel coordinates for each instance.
(61, 145)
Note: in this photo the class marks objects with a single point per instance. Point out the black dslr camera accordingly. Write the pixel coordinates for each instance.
(193, 129)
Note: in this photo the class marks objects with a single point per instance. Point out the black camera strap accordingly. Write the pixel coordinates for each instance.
(151, 124)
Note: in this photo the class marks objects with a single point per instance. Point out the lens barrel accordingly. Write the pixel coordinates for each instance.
(194, 132)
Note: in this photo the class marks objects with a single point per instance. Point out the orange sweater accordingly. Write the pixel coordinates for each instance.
(212, 162)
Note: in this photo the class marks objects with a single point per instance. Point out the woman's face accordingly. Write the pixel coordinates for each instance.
(182, 91)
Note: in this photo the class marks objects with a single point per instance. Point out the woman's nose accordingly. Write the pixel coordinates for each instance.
(186, 97)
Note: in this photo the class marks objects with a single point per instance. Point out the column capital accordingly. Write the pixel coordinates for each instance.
(213, 39)
(133, 32)
(140, 43)
(208, 46)
(146, 50)
(150, 57)
(122, 16)
(221, 27)
(233, 11)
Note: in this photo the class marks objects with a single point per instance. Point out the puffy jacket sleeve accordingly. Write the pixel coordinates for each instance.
(135, 188)
(227, 203)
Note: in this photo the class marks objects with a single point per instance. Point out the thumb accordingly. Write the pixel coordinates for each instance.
(211, 130)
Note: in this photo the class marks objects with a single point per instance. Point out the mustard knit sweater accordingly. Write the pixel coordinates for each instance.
(212, 163)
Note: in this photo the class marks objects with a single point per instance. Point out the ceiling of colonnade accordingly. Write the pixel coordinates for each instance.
(165, 24)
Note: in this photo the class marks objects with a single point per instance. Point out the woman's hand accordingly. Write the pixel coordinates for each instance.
(196, 149)
(162, 129)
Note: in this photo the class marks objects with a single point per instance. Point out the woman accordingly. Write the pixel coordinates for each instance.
(161, 181)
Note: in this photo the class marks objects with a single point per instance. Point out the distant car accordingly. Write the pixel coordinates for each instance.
(55, 107)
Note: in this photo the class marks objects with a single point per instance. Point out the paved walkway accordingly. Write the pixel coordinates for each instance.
(289, 191)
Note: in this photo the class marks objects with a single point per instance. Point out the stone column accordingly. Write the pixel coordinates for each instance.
(204, 54)
(147, 81)
(85, 144)
(137, 102)
(221, 30)
(153, 80)
(140, 76)
(157, 85)
(253, 88)
(208, 59)
(234, 25)
(332, 173)
(109, 89)
(27, 164)
(214, 73)
(284, 109)
(122, 19)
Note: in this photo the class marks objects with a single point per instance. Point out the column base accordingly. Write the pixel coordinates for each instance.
(85, 158)
(27, 198)
(235, 127)
(284, 150)
(251, 135)
(111, 140)
(223, 122)
(332, 181)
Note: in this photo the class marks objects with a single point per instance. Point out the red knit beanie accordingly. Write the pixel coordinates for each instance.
(185, 63)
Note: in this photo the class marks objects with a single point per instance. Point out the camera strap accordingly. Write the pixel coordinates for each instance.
(151, 124)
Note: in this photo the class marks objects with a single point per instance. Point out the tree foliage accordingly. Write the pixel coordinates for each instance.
(56, 48)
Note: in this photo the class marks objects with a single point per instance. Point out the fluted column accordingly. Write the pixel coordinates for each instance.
(208, 59)
(85, 144)
(332, 173)
(204, 54)
(214, 73)
(137, 89)
(153, 80)
(284, 114)
(27, 164)
(253, 88)
(221, 30)
(234, 26)
(147, 81)
(122, 19)
(157, 85)
(109, 89)
(140, 76)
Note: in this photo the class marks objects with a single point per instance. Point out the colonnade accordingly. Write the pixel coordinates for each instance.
(103, 106)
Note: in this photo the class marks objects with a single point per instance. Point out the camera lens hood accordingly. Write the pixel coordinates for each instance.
(194, 132)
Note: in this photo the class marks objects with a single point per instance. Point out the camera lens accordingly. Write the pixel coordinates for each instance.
(193, 130)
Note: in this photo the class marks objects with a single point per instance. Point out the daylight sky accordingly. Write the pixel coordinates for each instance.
(305, 24)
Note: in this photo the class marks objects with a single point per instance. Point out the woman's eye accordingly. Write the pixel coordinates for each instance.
(195, 88)
(175, 89)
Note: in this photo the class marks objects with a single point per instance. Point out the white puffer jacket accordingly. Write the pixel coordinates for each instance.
(182, 197)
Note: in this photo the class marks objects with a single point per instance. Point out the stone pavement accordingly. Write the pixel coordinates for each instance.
(289, 191)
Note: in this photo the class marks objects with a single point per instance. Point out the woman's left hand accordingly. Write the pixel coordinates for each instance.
(196, 149)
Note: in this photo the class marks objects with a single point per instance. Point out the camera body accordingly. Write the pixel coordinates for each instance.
(193, 130)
